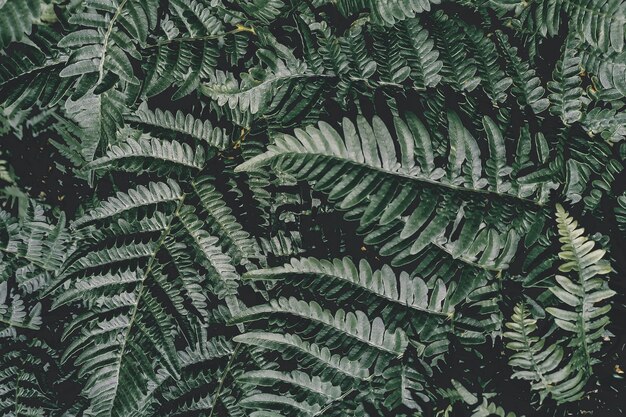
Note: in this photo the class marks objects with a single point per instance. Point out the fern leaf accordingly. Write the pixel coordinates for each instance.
(106, 38)
(408, 292)
(364, 168)
(150, 154)
(386, 12)
(540, 364)
(581, 294)
(255, 90)
(181, 124)
(566, 92)
(29, 72)
(421, 55)
(134, 198)
(319, 360)
(16, 19)
(526, 85)
(355, 325)
(299, 380)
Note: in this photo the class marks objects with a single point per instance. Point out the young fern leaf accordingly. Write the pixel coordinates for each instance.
(542, 366)
(579, 294)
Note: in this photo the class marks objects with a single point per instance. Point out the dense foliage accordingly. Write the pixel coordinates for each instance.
(273, 208)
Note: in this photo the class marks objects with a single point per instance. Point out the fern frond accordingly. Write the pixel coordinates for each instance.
(302, 383)
(459, 67)
(202, 131)
(542, 365)
(256, 89)
(421, 55)
(566, 92)
(233, 239)
(319, 360)
(150, 154)
(108, 35)
(98, 118)
(580, 314)
(155, 193)
(386, 12)
(28, 372)
(31, 249)
(29, 72)
(16, 19)
(362, 173)
(494, 80)
(526, 85)
(341, 274)
(355, 325)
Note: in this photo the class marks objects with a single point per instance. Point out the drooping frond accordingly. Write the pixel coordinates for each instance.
(406, 302)
(319, 360)
(356, 325)
(364, 175)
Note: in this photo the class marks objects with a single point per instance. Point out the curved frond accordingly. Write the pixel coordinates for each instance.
(150, 154)
(363, 173)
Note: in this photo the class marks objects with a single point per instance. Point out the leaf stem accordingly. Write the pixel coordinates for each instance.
(223, 378)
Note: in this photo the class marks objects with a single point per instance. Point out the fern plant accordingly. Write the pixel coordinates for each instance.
(323, 208)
